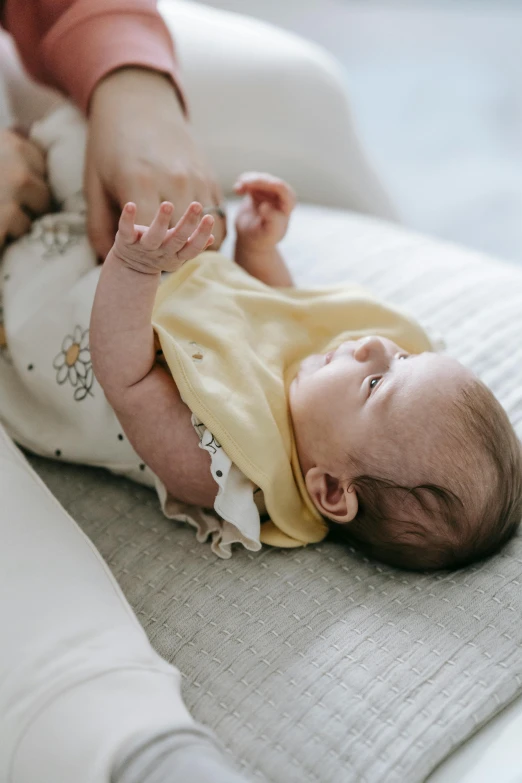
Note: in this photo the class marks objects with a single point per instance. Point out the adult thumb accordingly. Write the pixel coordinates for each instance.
(102, 218)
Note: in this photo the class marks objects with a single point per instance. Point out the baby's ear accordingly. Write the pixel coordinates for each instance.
(332, 497)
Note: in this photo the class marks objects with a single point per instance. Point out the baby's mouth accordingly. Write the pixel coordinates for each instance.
(328, 357)
(312, 363)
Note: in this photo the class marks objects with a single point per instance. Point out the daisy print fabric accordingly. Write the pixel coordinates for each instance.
(73, 364)
(51, 402)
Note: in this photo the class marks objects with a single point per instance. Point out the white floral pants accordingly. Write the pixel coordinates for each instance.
(51, 402)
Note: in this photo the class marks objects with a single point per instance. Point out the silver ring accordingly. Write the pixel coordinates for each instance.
(217, 208)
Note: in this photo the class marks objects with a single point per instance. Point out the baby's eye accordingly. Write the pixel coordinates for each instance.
(374, 382)
(403, 356)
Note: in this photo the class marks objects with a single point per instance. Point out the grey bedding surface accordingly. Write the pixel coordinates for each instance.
(317, 664)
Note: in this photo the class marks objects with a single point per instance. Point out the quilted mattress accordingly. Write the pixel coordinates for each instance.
(317, 664)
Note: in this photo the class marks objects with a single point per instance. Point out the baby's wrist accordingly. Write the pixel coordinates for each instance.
(256, 262)
(254, 248)
(132, 264)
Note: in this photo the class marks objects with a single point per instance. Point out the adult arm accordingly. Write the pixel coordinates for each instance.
(116, 59)
(74, 44)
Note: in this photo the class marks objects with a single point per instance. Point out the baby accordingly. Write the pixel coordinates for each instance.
(333, 404)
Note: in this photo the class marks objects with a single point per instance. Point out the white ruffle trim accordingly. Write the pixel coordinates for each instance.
(236, 519)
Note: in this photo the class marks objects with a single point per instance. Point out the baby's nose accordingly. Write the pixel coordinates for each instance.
(367, 348)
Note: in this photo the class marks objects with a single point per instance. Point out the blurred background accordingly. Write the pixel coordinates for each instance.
(436, 90)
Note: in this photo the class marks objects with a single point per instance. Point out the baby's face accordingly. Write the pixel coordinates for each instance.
(368, 399)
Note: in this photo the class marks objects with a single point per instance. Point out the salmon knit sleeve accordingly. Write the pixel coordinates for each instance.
(72, 44)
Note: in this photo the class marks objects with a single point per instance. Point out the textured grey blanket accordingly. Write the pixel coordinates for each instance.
(315, 664)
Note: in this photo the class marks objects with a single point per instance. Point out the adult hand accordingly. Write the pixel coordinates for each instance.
(141, 149)
(23, 189)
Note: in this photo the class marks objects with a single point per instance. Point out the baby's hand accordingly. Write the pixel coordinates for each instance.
(159, 248)
(264, 214)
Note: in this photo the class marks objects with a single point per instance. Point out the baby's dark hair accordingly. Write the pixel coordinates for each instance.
(430, 526)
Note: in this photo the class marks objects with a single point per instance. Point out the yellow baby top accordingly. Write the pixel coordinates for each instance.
(233, 345)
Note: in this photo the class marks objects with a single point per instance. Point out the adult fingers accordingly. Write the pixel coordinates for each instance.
(16, 222)
(220, 221)
(33, 155)
(34, 194)
(23, 152)
(102, 218)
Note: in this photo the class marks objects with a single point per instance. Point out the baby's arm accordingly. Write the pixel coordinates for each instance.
(261, 223)
(142, 392)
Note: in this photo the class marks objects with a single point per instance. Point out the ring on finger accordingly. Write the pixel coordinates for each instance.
(217, 209)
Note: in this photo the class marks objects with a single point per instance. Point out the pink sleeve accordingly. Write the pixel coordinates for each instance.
(72, 44)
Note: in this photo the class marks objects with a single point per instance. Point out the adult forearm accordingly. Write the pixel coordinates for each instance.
(121, 336)
(53, 36)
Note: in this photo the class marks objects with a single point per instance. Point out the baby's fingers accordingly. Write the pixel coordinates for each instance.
(266, 210)
(198, 241)
(126, 228)
(185, 225)
(155, 234)
(265, 187)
